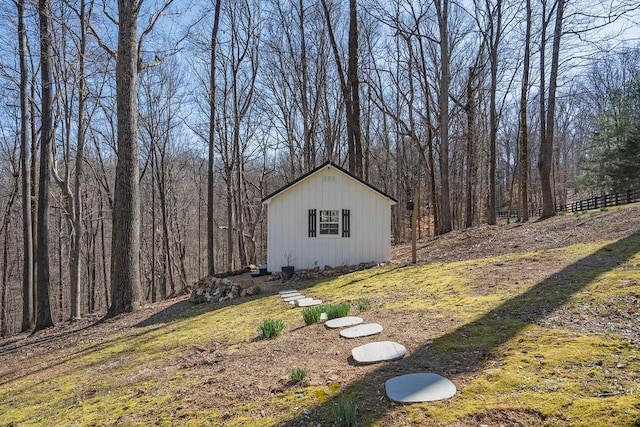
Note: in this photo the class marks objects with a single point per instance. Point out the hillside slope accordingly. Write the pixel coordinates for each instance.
(536, 324)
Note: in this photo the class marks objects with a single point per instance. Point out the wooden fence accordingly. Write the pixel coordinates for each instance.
(597, 202)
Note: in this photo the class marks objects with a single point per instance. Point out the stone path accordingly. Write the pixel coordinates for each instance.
(409, 388)
(361, 330)
(378, 351)
(341, 322)
(307, 302)
(419, 387)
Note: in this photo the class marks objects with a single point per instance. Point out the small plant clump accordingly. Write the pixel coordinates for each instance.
(344, 413)
(298, 375)
(337, 310)
(257, 290)
(312, 315)
(363, 304)
(271, 328)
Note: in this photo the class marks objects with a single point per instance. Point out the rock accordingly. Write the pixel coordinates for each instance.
(211, 288)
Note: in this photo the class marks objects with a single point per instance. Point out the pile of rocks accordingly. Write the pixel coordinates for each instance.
(214, 289)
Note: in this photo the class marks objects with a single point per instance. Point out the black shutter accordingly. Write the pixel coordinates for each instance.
(312, 223)
(346, 223)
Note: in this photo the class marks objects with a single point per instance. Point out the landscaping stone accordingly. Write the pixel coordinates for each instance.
(293, 298)
(294, 302)
(378, 352)
(214, 289)
(419, 387)
(308, 302)
(361, 330)
(288, 291)
(341, 322)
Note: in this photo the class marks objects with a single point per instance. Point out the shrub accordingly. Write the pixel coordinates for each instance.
(337, 310)
(312, 314)
(363, 305)
(298, 375)
(344, 413)
(257, 290)
(271, 328)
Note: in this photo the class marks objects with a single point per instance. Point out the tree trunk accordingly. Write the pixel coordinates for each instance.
(76, 201)
(545, 156)
(27, 231)
(523, 128)
(352, 83)
(442, 8)
(470, 109)
(212, 135)
(126, 292)
(346, 90)
(494, 44)
(43, 305)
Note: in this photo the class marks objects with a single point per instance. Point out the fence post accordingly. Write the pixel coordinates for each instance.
(628, 196)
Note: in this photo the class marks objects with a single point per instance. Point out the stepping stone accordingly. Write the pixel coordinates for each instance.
(293, 298)
(290, 294)
(361, 330)
(288, 291)
(341, 322)
(300, 300)
(420, 387)
(378, 352)
(308, 302)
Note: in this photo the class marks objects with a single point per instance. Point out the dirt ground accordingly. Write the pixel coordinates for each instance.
(232, 384)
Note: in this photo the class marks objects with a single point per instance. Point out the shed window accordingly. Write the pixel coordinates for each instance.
(329, 222)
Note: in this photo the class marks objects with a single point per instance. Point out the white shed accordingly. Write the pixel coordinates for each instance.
(327, 217)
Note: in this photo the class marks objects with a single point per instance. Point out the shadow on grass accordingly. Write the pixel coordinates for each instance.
(466, 348)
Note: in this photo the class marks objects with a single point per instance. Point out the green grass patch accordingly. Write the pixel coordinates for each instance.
(363, 304)
(271, 328)
(345, 413)
(335, 311)
(298, 375)
(312, 314)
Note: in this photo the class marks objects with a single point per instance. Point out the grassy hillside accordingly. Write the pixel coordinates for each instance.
(544, 337)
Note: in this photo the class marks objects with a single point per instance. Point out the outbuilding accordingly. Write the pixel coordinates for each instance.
(327, 217)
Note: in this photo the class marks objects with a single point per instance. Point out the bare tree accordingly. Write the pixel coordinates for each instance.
(442, 11)
(212, 134)
(27, 224)
(547, 112)
(43, 305)
(523, 129)
(126, 293)
(349, 85)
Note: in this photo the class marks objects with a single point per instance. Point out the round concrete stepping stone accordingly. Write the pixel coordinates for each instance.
(420, 387)
(293, 298)
(378, 352)
(308, 302)
(288, 291)
(341, 322)
(361, 330)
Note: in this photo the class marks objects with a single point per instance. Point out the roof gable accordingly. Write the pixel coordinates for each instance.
(327, 164)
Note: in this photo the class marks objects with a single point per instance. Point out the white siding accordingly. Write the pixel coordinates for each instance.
(327, 189)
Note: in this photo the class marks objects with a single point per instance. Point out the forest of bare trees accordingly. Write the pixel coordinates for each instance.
(137, 138)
